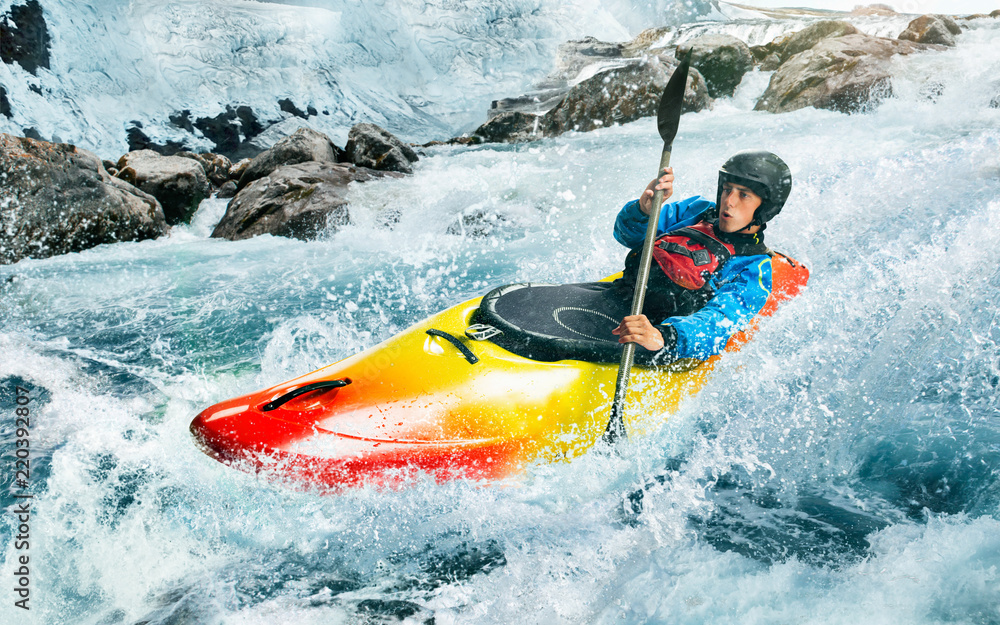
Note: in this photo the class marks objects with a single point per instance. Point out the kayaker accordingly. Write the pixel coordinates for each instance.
(711, 272)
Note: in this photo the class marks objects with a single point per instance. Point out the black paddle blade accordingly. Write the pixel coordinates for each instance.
(668, 115)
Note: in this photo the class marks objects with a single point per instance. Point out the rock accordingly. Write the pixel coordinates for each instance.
(237, 169)
(808, 37)
(302, 146)
(480, 223)
(5, 109)
(645, 40)
(722, 61)
(277, 132)
(510, 127)
(372, 147)
(615, 96)
(619, 96)
(227, 190)
(24, 37)
(995, 13)
(847, 74)
(56, 199)
(178, 183)
(949, 23)
(288, 106)
(232, 131)
(928, 29)
(298, 201)
(139, 141)
(573, 56)
(216, 166)
(770, 63)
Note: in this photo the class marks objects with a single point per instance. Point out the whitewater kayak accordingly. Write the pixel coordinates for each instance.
(442, 399)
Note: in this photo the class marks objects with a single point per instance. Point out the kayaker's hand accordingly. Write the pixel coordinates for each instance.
(664, 182)
(638, 329)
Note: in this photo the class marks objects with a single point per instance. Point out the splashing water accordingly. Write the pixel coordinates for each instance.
(842, 468)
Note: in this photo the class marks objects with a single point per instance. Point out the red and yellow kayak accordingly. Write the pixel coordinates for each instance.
(415, 404)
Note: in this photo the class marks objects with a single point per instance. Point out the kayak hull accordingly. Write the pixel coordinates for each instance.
(416, 405)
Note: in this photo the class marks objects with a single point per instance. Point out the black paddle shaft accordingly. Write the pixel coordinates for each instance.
(667, 119)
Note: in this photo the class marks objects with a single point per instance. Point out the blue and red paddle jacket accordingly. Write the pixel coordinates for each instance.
(741, 286)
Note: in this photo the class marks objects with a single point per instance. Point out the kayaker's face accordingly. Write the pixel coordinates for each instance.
(736, 208)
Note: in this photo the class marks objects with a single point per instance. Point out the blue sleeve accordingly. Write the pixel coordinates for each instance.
(630, 226)
(742, 288)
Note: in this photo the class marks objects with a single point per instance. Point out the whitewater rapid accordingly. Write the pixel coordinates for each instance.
(842, 468)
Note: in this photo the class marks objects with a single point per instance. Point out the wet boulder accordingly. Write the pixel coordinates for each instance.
(237, 169)
(950, 23)
(178, 183)
(849, 74)
(298, 201)
(57, 199)
(721, 59)
(621, 95)
(302, 146)
(770, 56)
(216, 166)
(510, 127)
(372, 147)
(808, 37)
(227, 190)
(930, 29)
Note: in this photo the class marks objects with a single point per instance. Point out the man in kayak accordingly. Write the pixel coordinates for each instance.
(711, 272)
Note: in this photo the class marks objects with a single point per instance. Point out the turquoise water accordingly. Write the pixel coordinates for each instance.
(840, 469)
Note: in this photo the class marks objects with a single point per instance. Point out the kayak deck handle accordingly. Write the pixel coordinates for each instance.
(302, 390)
(472, 358)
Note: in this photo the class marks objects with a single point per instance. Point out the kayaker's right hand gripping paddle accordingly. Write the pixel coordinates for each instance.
(668, 117)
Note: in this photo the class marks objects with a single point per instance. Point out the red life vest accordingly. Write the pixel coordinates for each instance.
(689, 256)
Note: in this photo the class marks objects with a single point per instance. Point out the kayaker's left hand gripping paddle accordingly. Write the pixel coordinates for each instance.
(668, 117)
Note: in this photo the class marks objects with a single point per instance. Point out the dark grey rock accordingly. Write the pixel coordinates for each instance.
(24, 37)
(302, 146)
(56, 199)
(299, 201)
(227, 190)
(510, 127)
(178, 183)
(372, 147)
(478, 224)
(621, 95)
(5, 109)
(721, 59)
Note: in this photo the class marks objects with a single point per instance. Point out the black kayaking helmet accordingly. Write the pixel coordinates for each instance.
(763, 173)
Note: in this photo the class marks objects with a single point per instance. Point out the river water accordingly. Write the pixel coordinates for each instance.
(842, 468)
